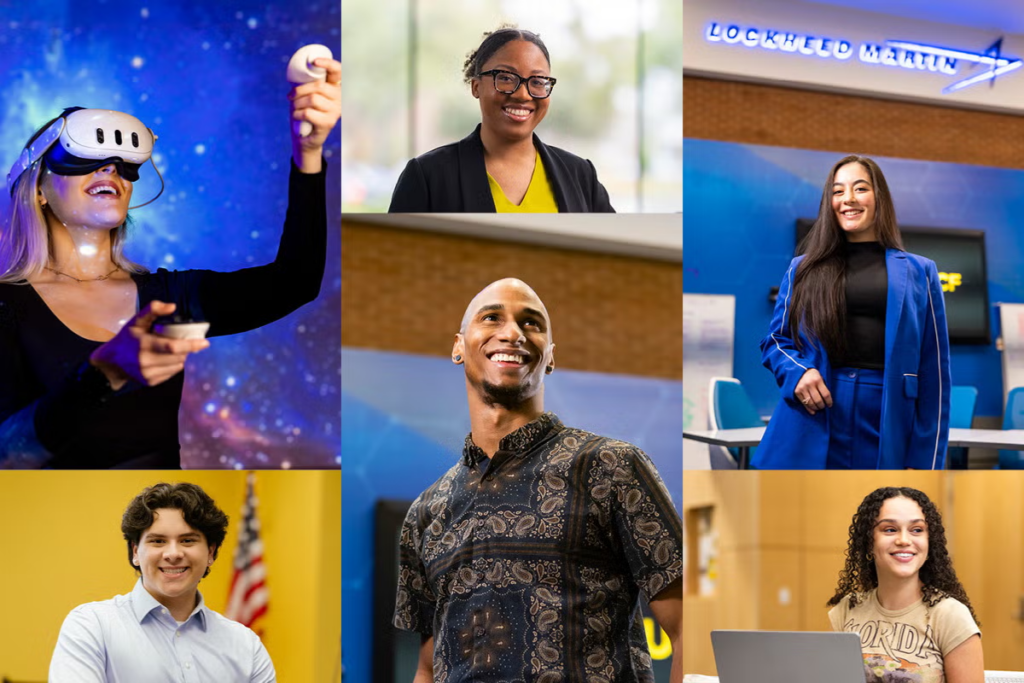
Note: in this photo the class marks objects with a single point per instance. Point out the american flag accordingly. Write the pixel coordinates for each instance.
(248, 597)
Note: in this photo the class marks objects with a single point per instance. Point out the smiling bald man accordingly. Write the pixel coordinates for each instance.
(526, 560)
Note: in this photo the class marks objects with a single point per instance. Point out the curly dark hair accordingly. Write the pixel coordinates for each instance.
(494, 41)
(198, 509)
(938, 579)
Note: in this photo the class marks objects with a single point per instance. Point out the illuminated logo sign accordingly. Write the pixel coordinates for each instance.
(950, 281)
(895, 53)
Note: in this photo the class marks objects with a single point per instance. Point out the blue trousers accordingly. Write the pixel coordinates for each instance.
(854, 419)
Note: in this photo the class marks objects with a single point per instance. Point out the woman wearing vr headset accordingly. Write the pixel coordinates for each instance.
(86, 380)
(502, 166)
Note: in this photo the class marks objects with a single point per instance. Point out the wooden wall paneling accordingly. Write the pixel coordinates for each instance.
(781, 593)
(987, 545)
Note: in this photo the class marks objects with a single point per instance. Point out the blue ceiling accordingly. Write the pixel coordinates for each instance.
(999, 16)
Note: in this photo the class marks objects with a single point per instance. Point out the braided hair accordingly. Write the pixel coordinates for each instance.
(494, 41)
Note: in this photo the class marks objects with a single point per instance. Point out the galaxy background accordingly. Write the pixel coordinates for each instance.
(208, 78)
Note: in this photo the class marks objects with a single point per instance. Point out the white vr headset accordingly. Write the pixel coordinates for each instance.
(84, 140)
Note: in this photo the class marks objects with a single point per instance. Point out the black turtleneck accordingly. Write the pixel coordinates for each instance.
(867, 285)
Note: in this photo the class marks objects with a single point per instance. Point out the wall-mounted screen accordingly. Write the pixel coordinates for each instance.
(960, 257)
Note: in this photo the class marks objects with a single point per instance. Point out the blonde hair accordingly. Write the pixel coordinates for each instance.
(25, 246)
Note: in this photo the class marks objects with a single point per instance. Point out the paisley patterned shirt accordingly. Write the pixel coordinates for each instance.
(528, 566)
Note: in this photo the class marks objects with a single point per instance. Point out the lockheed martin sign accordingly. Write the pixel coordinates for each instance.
(967, 67)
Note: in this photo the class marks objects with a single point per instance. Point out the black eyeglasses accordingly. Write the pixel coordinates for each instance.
(508, 82)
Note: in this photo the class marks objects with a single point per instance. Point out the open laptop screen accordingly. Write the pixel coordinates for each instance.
(788, 657)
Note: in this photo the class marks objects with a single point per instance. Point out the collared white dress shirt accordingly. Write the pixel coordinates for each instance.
(134, 639)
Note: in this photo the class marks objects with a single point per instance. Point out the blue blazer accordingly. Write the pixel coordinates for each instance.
(915, 393)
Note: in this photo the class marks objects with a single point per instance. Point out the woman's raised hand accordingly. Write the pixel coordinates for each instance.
(319, 103)
(812, 392)
(136, 353)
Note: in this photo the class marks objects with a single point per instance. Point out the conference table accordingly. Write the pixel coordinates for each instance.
(749, 437)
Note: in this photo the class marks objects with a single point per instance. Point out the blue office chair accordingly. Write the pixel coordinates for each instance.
(729, 408)
(962, 401)
(1013, 418)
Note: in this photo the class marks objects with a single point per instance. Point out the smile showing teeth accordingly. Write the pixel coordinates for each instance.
(174, 571)
(517, 114)
(103, 190)
(507, 358)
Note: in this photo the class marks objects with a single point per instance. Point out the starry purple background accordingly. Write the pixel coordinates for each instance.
(208, 78)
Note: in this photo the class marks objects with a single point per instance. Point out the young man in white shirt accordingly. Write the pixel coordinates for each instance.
(162, 631)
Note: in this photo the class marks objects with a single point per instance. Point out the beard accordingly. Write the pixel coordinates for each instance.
(506, 396)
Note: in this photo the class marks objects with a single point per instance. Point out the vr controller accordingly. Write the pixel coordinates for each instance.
(182, 330)
(302, 70)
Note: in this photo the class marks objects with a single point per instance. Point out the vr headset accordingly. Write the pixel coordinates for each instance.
(84, 140)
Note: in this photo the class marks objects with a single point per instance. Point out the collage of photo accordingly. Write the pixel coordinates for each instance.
(413, 384)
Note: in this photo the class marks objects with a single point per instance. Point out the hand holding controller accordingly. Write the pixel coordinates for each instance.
(139, 351)
(302, 70)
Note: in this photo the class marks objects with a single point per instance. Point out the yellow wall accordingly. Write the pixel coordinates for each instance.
(61, 546)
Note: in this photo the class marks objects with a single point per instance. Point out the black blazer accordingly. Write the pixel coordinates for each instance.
(453, 179)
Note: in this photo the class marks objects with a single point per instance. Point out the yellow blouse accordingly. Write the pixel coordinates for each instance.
(540, 198)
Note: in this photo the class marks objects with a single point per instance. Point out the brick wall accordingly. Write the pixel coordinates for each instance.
(406, 290)
(787, 117)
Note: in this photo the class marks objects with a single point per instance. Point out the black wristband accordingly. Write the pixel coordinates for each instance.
(92, 384)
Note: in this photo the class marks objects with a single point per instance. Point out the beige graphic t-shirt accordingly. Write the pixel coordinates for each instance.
(906, 645)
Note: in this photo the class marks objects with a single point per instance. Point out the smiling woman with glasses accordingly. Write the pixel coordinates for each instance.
(502, 166)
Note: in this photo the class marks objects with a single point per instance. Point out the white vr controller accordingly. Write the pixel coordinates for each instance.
(182, 330)
(302, 70)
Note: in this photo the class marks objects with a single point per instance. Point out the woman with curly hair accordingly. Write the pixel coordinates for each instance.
(900, 593)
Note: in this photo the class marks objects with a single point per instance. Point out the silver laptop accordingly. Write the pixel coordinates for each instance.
(787, 657)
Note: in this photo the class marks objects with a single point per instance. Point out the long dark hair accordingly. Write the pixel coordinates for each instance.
(818, 305)
(938, 579)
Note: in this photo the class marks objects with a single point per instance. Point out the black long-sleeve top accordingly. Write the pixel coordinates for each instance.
(58, 411)
(867, 286)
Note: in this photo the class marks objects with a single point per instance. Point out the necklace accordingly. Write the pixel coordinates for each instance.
(88, 279)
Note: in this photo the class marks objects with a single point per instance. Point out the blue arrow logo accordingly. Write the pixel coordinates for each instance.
(992, 58)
